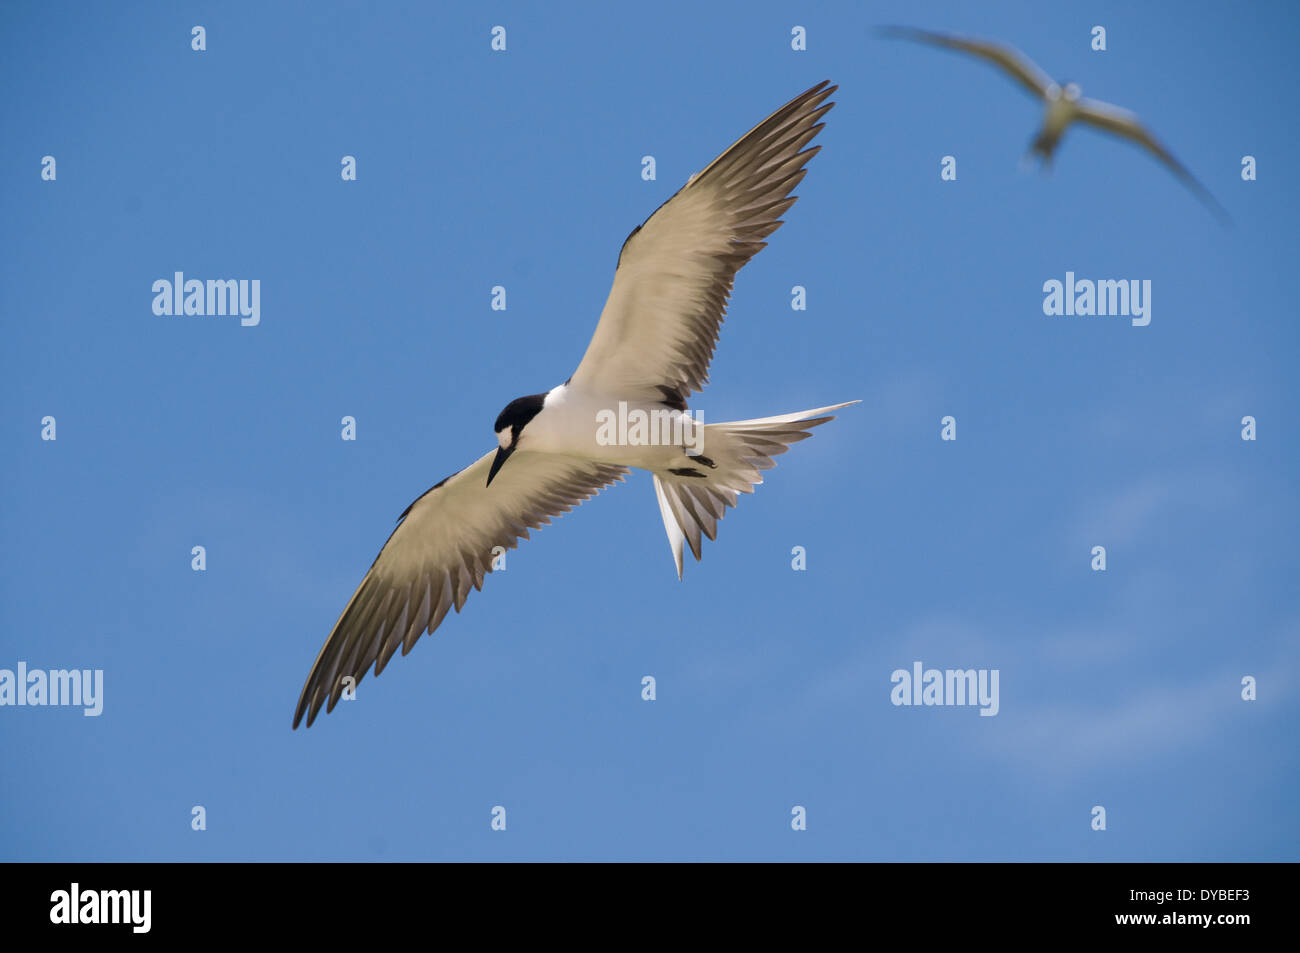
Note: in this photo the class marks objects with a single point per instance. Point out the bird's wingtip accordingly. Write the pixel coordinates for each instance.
(826, 410)
(896, 31)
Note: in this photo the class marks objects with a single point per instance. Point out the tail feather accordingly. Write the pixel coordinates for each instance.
(692, 498)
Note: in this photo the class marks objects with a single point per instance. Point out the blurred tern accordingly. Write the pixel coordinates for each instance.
(1064, 104)
(650, 351)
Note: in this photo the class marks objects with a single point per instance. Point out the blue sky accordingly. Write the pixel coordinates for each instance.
(523, 169)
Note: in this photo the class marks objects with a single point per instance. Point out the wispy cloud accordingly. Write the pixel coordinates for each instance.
(1125, 515)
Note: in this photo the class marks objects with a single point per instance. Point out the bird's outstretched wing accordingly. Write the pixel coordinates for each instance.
(1121, 122)
(660, 323)
(1014, 63)
(443, 547)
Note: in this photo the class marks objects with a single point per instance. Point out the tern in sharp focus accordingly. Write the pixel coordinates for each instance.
(1063, 104)
(650, 351)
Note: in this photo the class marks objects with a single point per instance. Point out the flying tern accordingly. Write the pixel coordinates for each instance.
(650, 351)
(1064, 104)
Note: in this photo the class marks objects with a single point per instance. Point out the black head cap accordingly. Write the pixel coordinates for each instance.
(517, 414)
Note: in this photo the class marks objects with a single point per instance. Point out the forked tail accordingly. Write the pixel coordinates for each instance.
(693, 498)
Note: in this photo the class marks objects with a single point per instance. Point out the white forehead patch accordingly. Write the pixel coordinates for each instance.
(503, 438)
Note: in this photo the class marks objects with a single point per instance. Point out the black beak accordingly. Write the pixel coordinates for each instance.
(503, 454)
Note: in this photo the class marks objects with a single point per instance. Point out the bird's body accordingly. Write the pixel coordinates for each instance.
(1060, 110)
(1063, 104)
(625, 406)
(569, 423)
(1058, 113)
